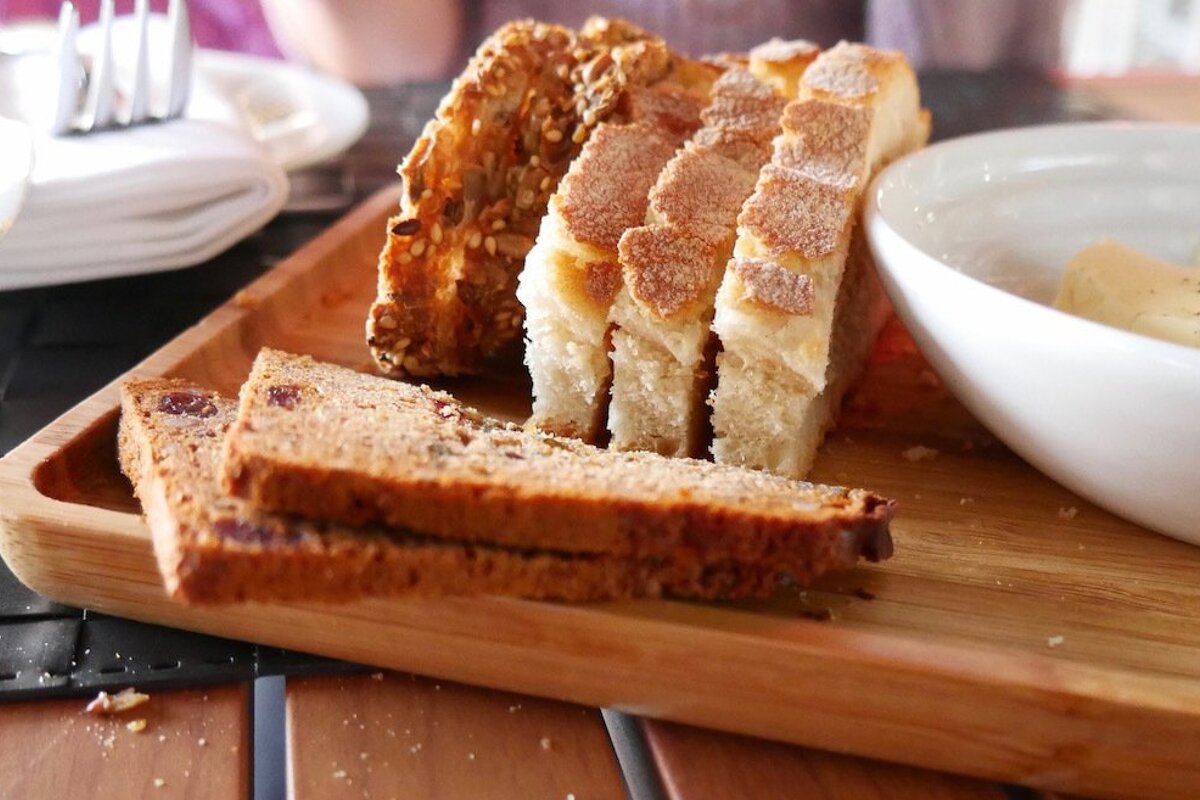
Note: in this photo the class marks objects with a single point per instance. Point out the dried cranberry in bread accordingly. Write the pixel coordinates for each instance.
(214, 548)
(325, 442)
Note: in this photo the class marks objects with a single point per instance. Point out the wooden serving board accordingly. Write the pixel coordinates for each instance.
(1018, 634)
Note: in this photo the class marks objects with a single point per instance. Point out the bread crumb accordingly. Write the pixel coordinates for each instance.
(570, 796)
(1054, 641)
(470, 756)
(919, 453)
(1068, 513)
(964, 501)
(376, 676)
(159, 783)
(245, 299)
(363, 756)
(107, 704)
(162, 737)
(202, 741)
(545, 742)
(514, 708)
(136, 726)
(340, 774)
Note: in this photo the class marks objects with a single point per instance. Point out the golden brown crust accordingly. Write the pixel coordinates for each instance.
(358, 448)
(605, 191)
(666, 268)
(674, 262)
(743, 106)
(849, 71)
(791, 212)
(671, 109)
(700, 189)
(785, 53)
(477, 182)
(773, 287)
(827, 141)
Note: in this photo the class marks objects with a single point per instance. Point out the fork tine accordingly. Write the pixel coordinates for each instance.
(180, 79)
(100, 87)
(139, 103)
(69, 68)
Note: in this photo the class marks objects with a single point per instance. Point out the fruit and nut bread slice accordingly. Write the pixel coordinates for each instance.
(325, 442)
(213, 548)
(477, 180)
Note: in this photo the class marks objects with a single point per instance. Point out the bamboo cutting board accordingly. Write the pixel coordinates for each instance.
(1018, 634)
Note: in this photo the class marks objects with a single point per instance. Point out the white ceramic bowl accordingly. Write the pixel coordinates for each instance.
(971, 237)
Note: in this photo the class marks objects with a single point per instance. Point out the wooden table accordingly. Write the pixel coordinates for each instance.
(389, 735)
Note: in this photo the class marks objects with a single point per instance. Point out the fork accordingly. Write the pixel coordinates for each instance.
(80, 112)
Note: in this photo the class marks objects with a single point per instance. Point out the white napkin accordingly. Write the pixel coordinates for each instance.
(133, 201)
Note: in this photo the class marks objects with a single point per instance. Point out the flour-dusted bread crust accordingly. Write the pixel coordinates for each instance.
(324, 442)
(571, 275)
(214, 548)
(477, 181)
(672, 265)
(799, 304)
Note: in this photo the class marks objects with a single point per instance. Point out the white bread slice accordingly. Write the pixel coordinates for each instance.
(672, 265)
(784, 365)
(571, 274)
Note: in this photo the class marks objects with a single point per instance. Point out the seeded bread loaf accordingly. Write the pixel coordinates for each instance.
(324, 442)
(213, 548)
(792, 336)
(571, 275)
(477, 180)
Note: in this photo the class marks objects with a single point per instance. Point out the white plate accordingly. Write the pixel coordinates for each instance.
(16, 145)
(971, 237)
(300, 116)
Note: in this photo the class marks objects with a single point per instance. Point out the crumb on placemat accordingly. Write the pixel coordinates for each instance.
(106, 704)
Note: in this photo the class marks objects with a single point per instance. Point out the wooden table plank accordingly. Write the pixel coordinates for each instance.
(697, 764)
(398, 736)
(196, 744)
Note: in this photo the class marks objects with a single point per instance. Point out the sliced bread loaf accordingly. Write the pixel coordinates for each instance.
(213, 548)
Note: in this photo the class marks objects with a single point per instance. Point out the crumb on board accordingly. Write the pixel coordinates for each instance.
(919, 452)
(106, 704)
(470, 756)
(545, 742)
(966, 501)
(376, 676)
(1069, 512)
(202, 742)
(339, 774)
(159, 783)
(136, 726)
(1054, 641)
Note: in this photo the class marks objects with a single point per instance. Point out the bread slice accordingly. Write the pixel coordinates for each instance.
(477, 180)
(213, 548)
(672, 265)
(571, 275)
(779, 380)
(324, 442)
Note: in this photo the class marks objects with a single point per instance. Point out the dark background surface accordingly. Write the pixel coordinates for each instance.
(60, 344)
